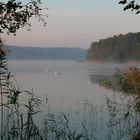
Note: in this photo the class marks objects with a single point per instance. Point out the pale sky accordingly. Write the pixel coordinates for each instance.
(77, 23)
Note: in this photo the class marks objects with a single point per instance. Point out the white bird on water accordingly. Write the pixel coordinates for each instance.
(57, 73)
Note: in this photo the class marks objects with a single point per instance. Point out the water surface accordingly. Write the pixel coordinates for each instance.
(68, 85)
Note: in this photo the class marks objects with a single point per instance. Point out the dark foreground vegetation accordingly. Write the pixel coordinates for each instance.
(19, 119)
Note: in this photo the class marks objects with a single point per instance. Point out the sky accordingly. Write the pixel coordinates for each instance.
(76, 23)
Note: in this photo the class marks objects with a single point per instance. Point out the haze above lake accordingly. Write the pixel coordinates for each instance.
(68, 87)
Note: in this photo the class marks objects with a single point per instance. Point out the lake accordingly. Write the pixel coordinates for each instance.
(69, 86)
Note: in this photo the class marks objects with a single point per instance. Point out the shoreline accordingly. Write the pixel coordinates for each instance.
(100, 62)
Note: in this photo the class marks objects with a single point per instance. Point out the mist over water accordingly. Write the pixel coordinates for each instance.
(65, 83)
(69, 86)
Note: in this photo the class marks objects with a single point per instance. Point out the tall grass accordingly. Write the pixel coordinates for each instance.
(18, 120)
(127, 82)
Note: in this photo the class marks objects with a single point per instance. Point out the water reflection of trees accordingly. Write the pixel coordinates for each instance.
(128, 83)
(107, 81)
(97, 78)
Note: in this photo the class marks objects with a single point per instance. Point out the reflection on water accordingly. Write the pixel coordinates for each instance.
(108, 73)
(72, 86)
(97, 79)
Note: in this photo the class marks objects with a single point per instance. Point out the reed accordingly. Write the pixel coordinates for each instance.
(113, 120)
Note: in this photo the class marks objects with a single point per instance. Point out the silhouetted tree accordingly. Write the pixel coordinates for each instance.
(15, 15)
(130, 5)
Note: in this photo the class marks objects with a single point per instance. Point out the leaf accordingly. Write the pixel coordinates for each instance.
(78, 137)
(128, 7)
(74, 133)
(8, 76)
(123, 2)
(126, 115)
(132, 2)
(136, 7)
(137, 12)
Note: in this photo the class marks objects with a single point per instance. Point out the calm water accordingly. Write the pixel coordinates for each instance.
(68, 85)
(74, 85)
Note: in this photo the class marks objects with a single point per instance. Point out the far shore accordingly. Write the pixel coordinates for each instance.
(100, 62)
(133, 62)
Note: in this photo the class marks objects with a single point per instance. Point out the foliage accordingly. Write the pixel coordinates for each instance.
(13, 124)
(120, 48)
(15, 15)
(132, 76)
(123, 119)
(132, 5)
(3, 83)
(128, 81)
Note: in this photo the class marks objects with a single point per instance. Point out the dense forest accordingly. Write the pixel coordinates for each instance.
(121, 48)
(22, 53)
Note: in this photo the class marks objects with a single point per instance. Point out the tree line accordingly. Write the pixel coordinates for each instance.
(121, 48)
(22, 53)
